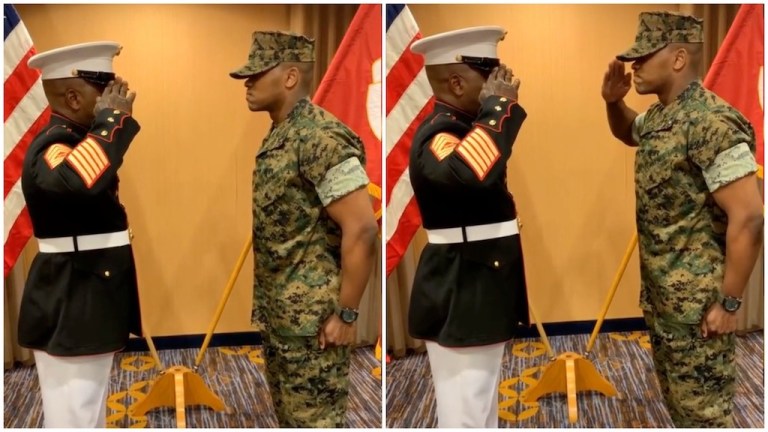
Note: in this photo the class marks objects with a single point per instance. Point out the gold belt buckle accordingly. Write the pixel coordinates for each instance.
(130, 235)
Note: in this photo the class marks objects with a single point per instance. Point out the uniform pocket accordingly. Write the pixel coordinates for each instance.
(266, 194)
(100, 299)
(657, 130)
(655, 160)
(270, 175)
(300, 303)
(495, 254)
(651, 178)
(490, 300)
(103, 264)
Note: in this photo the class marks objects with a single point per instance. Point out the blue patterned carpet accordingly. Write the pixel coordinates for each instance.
(622, 358)
(234, 374)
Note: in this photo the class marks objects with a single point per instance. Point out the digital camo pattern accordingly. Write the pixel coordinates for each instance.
(697, 376)
(681, 230)
(341, 179)
(730, 165)
(297, 246)
(307, 397)
(270, 48)
(658, 29)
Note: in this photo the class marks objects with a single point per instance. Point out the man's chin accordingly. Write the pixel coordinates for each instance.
(642, 90)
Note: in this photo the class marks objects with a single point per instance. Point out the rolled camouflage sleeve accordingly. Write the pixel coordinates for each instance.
(334, 165)
(724, 150)
(637, 127)
(730, 165)
(342, 179)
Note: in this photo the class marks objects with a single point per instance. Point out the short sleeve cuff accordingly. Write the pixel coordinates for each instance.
(637, 126)
(346, 177)
(730, 165)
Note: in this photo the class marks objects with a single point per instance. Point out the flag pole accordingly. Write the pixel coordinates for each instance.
(224, 298)
(614, 286)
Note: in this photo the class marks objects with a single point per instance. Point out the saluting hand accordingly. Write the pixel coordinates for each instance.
(116, 96)
(616, 83)
(335, 332)
(501, 82)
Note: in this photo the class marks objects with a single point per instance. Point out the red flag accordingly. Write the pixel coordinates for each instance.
(351, 89)
(736, 74)
(26, 112)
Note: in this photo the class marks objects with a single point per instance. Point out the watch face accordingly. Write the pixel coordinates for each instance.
(731, 305)
(348, 316)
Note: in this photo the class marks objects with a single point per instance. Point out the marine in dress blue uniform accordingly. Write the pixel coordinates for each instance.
(80, 301)
(469, 293)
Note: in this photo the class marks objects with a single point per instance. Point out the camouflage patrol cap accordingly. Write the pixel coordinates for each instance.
(270, 48)
(658, 29)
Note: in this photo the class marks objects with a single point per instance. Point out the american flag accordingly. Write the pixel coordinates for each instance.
(26, 112)
(409, 100)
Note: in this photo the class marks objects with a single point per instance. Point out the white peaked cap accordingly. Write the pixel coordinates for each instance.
(447, 48)
(63, 62)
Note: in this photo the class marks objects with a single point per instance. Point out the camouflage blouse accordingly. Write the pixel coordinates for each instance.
(305, 163)
(687, 150)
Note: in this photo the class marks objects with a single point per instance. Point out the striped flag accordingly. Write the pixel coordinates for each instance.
(409, 101)
(26, 112)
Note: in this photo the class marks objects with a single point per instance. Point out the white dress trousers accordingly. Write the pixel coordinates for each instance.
(74, 389)
(466, 384)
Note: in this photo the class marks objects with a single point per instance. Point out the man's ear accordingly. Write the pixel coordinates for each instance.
(73, 99)
(681, 59)
(456, 85)
(292, 77)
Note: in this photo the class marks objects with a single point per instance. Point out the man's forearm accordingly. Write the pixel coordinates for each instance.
(357, 256)
(743, 238)
(620, 118)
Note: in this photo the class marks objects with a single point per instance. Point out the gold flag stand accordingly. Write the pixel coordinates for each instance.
(570, 372)
(376, 372)
(178, 386)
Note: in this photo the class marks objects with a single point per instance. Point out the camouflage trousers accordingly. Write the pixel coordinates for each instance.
(697, 376)
(309, 386)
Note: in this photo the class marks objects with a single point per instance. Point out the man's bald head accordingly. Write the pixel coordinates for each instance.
(74, 98)
(456, 84)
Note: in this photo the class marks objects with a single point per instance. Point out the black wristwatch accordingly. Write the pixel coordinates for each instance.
(347, 315)
(731, 304)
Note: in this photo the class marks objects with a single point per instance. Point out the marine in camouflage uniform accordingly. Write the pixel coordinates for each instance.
(689, 147)
(308, 161)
